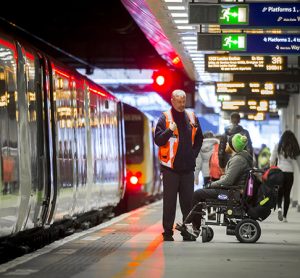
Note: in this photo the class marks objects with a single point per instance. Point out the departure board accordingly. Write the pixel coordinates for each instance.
(219, 63)
(256, 88)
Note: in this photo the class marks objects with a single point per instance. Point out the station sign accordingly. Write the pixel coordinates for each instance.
(243, 88)
(223, 14)
(246, 105)
(250, 43)
(248, 15)
(274, 14)
(218, 63)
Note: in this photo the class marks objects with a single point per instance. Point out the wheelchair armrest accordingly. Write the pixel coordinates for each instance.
(256, 170)
(226, 187)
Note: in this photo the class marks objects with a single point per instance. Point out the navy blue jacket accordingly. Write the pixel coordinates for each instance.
(185, 160)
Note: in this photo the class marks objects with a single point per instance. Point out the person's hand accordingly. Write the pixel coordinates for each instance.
(208, 185)
(222, 171)
(173, 126)
(196, 180)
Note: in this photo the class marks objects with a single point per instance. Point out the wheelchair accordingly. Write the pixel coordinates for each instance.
(230, 210)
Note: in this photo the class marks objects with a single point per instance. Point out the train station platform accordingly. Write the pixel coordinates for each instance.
(131, 245)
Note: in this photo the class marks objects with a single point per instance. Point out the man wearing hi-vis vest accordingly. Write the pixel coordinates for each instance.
(179, 137)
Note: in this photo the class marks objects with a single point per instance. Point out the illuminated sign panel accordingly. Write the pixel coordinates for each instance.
(251, 106)
(225, 63)
(233, 14)
(256, 88)
(250, 43)
(224, 14)
(249, 15)
(274, 14)
(232, 42)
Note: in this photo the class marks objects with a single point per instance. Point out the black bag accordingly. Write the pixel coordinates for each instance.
(267, 192)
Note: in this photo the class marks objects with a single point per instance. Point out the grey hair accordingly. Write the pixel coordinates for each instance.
(178, 93)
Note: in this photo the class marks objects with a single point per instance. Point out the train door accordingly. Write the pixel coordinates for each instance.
(51, 167)
(65, 155)
(121, 150)
(9, 181)
(32, 140)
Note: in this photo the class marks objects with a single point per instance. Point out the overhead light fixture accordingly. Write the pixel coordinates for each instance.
(179, 15)
(173, 1)
(185, 27)
(196, 55)
(189, 38)
(190, 42)
(190, 47)
(176, 8)
(181, 21)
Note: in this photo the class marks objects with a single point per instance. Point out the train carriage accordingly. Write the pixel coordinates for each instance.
(61, 141)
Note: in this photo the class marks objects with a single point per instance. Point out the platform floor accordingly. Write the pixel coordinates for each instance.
(131, 246)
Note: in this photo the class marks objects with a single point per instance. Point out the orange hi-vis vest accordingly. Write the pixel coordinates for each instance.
(167, 153)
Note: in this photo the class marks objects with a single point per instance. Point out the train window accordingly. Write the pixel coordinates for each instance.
(8, 119)
(134, 132)
(65, 113)
(32, 76)
(106, 104)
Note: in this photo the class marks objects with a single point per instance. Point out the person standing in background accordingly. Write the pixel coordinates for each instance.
(232, 129)
(284, 155)
(263, 157)
(203, 158)
(179, 137)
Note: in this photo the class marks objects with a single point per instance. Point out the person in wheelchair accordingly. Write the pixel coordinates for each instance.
(236, 173)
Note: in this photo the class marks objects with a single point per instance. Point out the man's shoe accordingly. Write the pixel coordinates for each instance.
(168, 238)
(187, 233)
(280, 216)
(285, 220)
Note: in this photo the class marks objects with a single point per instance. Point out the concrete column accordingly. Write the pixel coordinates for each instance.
(296, 189)
(293, 109)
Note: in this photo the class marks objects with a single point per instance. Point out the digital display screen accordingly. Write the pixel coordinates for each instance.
(255, 88)
(250, 43)
(263, 15)
(219, 63)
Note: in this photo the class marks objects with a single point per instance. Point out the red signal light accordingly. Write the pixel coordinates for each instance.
(160, 80)
(133, 179)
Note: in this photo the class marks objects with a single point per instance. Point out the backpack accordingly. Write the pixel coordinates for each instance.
(214, 168)
(265, 196)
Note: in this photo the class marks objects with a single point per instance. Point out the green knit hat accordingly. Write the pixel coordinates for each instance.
(238, 142)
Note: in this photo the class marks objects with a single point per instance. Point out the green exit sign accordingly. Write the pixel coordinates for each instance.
(232, 42)
(233, 14)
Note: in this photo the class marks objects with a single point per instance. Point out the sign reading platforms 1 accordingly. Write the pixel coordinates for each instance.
(248, 15)
(219, 63)
(250, 43)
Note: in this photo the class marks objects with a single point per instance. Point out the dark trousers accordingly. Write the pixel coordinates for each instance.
(201, 195)
(174, 183)
(285, 191)
(206, 180)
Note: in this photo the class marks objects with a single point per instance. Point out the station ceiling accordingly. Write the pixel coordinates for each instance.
(102, 33)
(105, 33)
(113, 34)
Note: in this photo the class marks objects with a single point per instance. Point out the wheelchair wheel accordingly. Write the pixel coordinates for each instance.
(247, 231)
(207, 234)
